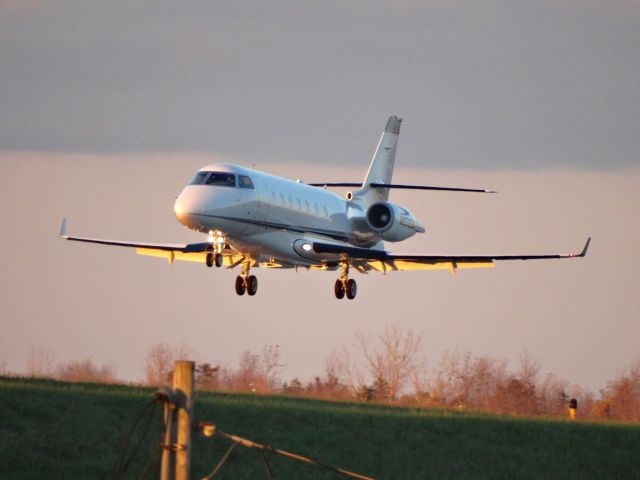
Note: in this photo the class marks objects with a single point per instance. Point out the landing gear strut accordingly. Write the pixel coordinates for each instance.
(245, 282)
(344, 284)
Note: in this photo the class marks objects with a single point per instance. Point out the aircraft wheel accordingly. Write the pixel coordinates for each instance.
(217, 259)
(339, 289)
(240, 287)
(352, 289)
(252, 285)
(209, 259)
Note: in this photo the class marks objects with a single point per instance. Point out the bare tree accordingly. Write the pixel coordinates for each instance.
(246, 376)
(330, 385)
(420, 384)
(529, 368)
(344, 368)
(443, 383)
(41, 363)
(159, 362)
(392, 363)
(269, 367)
(528, 377)
(621, 399)
(553, 395)
(86, 371)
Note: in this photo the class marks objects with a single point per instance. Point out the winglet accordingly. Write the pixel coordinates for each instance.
(586, 247)
(63, 229)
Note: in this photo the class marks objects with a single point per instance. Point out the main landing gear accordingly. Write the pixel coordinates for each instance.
(345, 285)
(245, 282)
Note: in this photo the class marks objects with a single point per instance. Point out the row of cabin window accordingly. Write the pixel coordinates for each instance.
(224, 179)
(221, 179)
(282, 202)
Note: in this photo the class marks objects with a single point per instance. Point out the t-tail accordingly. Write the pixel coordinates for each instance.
(381, 166)
(377, 182)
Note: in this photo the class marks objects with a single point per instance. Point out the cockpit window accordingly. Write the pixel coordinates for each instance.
(199, 178)
(245, 182)
(221, 179)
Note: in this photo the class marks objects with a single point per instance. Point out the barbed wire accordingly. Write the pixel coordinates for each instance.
(209, 430)
(124, 461)
(170, 399)
(218, 467)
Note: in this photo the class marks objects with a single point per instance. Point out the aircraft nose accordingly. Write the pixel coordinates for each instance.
(184, 208)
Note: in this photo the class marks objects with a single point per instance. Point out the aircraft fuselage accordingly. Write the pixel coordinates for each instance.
(272, 217)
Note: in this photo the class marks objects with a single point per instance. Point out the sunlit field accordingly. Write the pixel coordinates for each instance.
(62, 430)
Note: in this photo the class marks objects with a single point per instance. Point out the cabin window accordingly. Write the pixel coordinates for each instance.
(245, 182)
(221, 179)
(315, 208)
(290, 202)
(299, 204)
(306, 205)
(282, 200)
(199, 178)
(324, 210)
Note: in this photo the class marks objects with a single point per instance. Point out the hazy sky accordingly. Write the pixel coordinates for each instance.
(107, 108)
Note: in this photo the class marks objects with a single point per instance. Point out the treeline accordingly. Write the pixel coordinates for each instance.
(385, 369)
(42, 363)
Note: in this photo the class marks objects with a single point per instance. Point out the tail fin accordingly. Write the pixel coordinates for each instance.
(381, 167)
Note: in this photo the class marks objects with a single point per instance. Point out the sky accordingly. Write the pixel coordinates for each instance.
(107, 109)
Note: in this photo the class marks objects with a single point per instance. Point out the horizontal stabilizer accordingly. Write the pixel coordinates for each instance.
(398, 186)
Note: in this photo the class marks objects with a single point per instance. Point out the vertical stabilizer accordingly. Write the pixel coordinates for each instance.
(381, 167)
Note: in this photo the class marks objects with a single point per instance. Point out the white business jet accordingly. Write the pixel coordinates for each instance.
(253, 219)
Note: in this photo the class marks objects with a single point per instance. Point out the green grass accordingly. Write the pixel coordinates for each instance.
(59, 430)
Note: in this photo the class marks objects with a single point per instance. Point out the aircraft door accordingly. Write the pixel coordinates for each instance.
(255, 205)
(262, 198)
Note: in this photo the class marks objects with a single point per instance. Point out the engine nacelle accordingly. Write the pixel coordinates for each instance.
(391, 222)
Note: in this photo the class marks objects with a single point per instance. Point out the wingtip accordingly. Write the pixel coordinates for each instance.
(586, 247)
(63, 228)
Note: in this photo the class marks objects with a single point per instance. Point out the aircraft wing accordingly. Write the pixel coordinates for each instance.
(190, 252)
(364, 259)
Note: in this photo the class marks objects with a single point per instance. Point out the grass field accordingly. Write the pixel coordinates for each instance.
(59, 430)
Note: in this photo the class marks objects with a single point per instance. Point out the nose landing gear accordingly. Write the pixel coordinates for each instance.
(214, 259)
(344, 284)
(217, 241)
(245, 282)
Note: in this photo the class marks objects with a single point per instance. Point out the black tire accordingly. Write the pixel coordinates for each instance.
(338, 289)
(252, 285)
(217, 260)
(352, 289)
(209, 260)
(240, 287)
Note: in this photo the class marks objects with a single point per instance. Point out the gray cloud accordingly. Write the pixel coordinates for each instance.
(501, 85)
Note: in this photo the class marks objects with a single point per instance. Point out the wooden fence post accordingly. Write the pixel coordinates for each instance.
(167, 465)
(183, 387)
(178, 418)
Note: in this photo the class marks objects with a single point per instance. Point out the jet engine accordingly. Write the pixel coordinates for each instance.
(391, 222)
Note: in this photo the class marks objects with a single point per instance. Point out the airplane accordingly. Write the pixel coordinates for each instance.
(253, 219)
